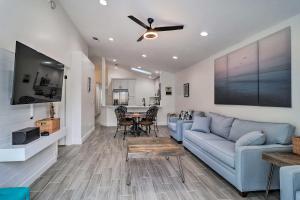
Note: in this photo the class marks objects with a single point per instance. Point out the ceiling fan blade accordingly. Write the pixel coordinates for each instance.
(169, 28)
(141, 38)
(139, 22)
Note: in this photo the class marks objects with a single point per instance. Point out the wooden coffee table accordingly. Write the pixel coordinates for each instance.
(279, 159)
(145, 147)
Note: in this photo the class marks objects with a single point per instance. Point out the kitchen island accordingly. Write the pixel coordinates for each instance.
(108, 117)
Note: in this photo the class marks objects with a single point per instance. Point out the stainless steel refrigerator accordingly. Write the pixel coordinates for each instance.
(120, 96)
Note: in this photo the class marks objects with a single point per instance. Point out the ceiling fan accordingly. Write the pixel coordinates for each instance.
(151, 32)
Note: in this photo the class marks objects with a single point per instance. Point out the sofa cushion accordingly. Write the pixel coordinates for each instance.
(216, 146)
(251, 139)
(201, 124)
(172, 126)
(276, 133)
(223, 150)
(196, 137)
(220, 124)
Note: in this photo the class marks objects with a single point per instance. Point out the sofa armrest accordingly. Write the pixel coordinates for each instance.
(173, 119)
(252, 171)
(187, 126)
(289, 182)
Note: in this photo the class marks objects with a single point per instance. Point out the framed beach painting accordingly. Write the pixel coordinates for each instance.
(258, 74)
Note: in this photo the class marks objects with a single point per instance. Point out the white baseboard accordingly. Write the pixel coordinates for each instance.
(28, 181)
(87, 134)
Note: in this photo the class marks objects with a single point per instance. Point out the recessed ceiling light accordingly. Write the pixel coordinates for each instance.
(139, 67)
(204, 34)
(144, 55)
(157, 72)
(114, 60)
(95, 38)
(111, 39)
(103, 2)
(175, 57)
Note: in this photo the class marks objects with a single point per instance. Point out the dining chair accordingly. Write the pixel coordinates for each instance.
(120, 112)
(149, 119)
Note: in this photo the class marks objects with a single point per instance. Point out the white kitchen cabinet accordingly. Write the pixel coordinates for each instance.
(124, 84)
(116, 84)
(131, 87)
(119, 83)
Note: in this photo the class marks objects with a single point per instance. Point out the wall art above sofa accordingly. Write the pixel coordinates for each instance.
(258, 74)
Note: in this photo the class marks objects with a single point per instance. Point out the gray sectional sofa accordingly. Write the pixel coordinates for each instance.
(175, 125)
(242, 166)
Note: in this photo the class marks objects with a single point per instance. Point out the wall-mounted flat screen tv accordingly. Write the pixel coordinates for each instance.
(37, 78)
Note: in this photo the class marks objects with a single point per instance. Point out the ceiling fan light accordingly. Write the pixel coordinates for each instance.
(150, 35)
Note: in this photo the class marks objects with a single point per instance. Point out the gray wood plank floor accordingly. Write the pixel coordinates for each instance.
(97, 170)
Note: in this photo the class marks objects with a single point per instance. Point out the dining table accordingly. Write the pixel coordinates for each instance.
(136, 117)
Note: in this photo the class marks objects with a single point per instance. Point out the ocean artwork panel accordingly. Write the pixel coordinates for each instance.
(258, 74)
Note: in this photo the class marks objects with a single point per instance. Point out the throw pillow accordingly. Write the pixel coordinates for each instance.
(251, 139)
(186, 115)
(201, 124)
(220, 124)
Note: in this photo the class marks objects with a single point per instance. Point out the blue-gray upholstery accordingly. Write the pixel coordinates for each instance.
(276, 133)
(242, 166)
(220, 124)
(175, 125)
(201, 124)
(172, 126)
(290, 183)
(251, 139)
(195, 136)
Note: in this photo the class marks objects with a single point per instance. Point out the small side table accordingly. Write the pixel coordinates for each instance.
(279, 159)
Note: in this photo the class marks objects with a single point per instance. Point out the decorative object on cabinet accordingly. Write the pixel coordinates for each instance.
(51, 111)
(50, 125)
(25, 135)
(168, 90)
(186, 90)
(258, 74)
(296, 145)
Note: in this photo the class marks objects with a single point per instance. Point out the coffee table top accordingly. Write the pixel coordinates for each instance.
(148, 147)
(281, 158)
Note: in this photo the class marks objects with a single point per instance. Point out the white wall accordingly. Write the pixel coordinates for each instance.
(144, 86)
(87, 98)
(80, 102)
(51, 32)
(201, 79)
(167, 101)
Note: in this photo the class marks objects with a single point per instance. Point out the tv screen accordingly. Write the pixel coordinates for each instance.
(37, 78)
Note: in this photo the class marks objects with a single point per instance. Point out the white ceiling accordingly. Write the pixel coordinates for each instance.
(226, 21)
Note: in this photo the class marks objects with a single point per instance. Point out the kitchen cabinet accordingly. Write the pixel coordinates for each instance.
(131, 87)
(119, 84)
(124, 84)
